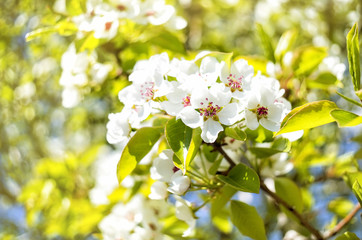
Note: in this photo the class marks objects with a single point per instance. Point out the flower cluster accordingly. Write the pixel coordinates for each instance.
(168, 176)
(136, 220)
(204, 93)
(80, 69)
(102, 22)
(103, 18)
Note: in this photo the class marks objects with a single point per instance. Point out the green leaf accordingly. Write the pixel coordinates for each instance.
(285, 43)
(178, 136)
(307, 59)
(221, 199)
(137, 147)
(87, 43)
(64, 28)
(194, 146)
(347, 236)
(76, 7)
(258, 63)
(323, 81)
(266, 42)
(236, 133)
(39, 32)
(350, 99)
(351, 177)
(215, 166)
(289, 192)
(221, 221)
(359, 94)
(242, 178)
(353, 57)
(307, 116)
(247, 220)
(357, 190)
(168, 41)
(340, 206)
(279, 145)
(345, 118)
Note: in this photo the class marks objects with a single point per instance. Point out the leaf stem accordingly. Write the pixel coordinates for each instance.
(343, 222)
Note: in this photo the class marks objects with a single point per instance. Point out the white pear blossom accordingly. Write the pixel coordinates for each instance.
(179, 183)
(162, 167)
(265, 106)
(185, 213)
(105, 26)
(279, 165)
(169, 177)
(238, 77)
(70, 97)
(135, 220)
(209, 109)
(158, 191)
(118, 127)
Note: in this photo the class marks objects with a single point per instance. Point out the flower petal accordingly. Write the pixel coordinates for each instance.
(270, 125)
(229, 114)
(251, 120)
(191, 117)
(210, 130)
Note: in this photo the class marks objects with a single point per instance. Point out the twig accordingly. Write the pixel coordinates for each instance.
(301, 219)
(343, 222)
(224, 154)
(276, 198)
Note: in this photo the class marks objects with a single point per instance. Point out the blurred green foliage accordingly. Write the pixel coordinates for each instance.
(47, 152)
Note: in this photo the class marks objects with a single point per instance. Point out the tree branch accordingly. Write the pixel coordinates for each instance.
(301, 219)
(343, 222)
(218, 148)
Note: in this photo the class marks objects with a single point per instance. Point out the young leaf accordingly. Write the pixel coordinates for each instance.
(307, 60)
(247, 220)
(353, 57)
(178, 136)
(137, 147)
(236, 133)
(323, 81)
(345, 118)
(76, 7)
(242, 178)
(169, 41)
(307, 116)
(194, 146)
(266, 42)
(357, 190)
(347, 236)
(289, 192)
(286, 41)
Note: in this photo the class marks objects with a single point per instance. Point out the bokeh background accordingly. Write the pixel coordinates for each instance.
(53, 158)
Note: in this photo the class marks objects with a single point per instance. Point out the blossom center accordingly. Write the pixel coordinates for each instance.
(234, 82)
(121, 8)
(262, 112)
(186, 101)
(210, 110)
(108, 26)
(147, 91)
